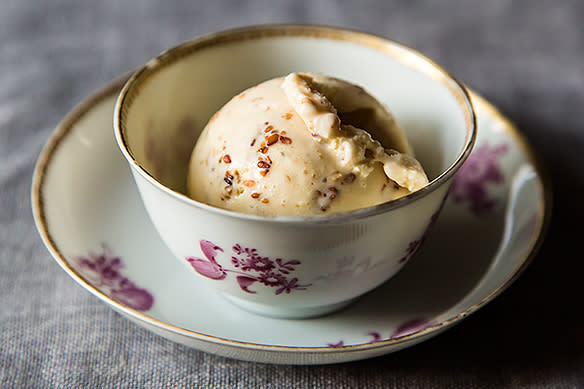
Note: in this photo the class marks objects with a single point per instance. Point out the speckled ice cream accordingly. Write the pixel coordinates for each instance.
(302, 145)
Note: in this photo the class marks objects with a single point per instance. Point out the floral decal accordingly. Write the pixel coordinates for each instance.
(407, 328)
(103, 272)
(414, 245)
(249, 267)
(472, 180)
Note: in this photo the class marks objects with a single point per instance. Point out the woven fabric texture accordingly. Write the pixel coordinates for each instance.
(526, 57)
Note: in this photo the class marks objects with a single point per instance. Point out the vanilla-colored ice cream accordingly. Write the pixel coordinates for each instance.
(306, 144)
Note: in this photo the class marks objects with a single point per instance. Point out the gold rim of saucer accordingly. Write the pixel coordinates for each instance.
(402, 53)
(64, 128)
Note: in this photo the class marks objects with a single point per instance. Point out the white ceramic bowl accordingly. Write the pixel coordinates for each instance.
(289, 267)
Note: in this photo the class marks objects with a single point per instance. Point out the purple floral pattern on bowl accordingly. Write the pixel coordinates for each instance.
(481, 169)
(414, 245)
(407, 328)
(249, 267)
(103, 271)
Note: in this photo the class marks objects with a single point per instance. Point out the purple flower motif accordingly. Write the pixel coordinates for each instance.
(413, 246)
(376, 337)
(411, 250)
(250, 266)
(137, 298)
(250, 260)
(103, 272)
(286, 267)
(471, 182)
(209, 249)
(410, 327)
(110, 273)
(271, 279)
(260, 264)
(237, 249)
(209, 268)
(244, 283)
(288, 286)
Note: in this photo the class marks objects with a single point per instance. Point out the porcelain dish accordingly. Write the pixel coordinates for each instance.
(288, 266)
(88, 213)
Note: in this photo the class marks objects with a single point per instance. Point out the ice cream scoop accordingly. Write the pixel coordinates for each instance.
(305, 144)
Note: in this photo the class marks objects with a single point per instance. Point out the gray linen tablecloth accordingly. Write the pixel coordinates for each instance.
(525, 56)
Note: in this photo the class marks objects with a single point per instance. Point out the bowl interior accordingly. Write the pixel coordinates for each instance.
(168, 103)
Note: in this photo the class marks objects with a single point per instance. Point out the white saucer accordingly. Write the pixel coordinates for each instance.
(88, 213)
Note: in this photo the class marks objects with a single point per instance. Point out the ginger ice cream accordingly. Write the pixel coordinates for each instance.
(306, 144)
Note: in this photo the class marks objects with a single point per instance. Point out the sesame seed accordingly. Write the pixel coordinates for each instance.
(272, 139)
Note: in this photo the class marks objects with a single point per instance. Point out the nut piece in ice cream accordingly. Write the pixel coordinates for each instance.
(306, 144)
